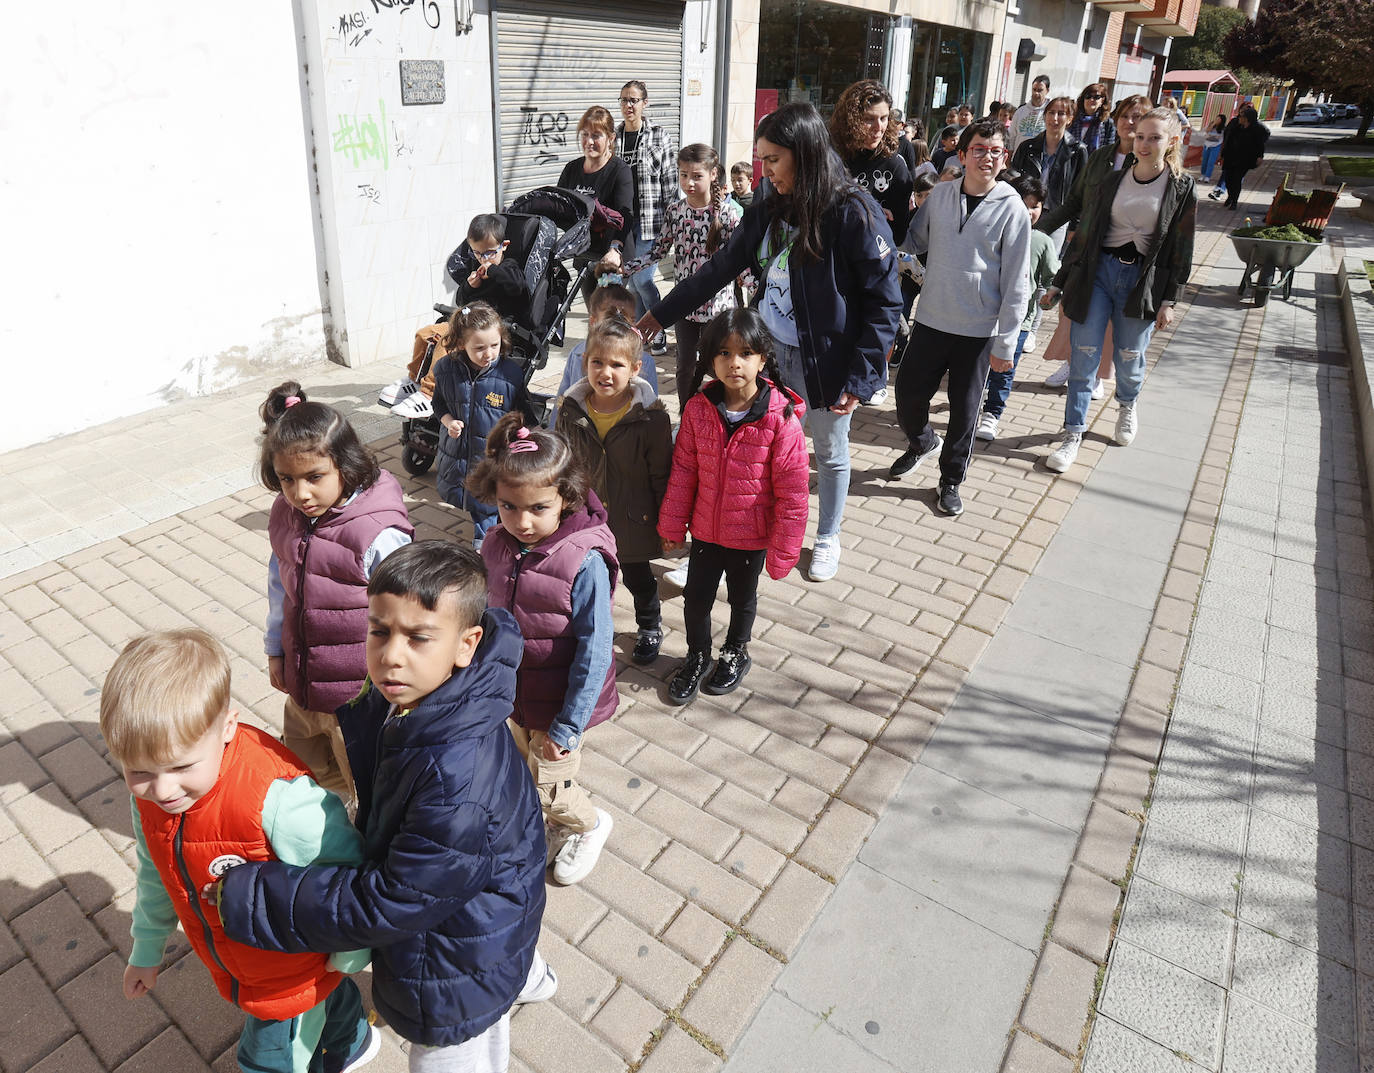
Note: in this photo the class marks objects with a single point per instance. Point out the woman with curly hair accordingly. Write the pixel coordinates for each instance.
(866, 139)
(1092, 123)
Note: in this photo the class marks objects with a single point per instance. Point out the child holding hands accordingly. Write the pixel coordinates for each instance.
(739, 482)
(623, 438)
(552, 564)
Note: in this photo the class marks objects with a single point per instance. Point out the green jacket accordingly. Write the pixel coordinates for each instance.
(1163, 270)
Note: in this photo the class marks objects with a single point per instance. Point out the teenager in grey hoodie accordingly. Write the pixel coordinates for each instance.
(976, 238)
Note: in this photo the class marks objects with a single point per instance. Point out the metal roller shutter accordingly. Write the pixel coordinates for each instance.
(554, 60)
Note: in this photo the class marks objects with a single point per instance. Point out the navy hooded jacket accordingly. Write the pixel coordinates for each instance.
(479, 400)
(451, 892)
(847, 304)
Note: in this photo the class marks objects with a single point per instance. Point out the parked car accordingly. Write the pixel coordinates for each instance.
(1308, 113)
(1352, 111)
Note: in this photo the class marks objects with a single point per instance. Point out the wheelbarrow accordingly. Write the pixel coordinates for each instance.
(1269, 265)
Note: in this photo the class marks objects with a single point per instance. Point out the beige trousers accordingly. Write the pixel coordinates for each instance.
(564, 802)
(315, 737)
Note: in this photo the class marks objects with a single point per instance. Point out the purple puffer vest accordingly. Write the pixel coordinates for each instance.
(324, 627)
(543, 578)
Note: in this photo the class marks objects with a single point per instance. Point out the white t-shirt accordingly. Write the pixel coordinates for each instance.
(1026, 123)
(1135, 211)
(776, 307)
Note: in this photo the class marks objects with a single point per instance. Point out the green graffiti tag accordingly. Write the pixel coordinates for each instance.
(362, 137)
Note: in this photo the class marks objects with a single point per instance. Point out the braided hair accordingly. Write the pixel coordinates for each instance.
(748, 324)
(703, 155)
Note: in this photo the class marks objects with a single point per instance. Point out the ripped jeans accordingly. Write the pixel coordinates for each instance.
(1112, 288)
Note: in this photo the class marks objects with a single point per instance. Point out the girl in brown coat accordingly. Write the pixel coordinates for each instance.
(623, 437)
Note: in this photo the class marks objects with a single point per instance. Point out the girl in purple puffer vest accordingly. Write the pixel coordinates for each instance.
(552, 564)
(337, 515)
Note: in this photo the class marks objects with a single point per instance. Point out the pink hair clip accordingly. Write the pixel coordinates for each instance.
(291, 400)
(522, 441)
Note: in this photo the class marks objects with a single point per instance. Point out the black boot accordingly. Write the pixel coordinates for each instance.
(731, 667)
(647, 644)
(687, 681)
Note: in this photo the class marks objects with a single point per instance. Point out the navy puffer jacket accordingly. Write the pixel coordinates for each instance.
(451, 893)
(478, 400)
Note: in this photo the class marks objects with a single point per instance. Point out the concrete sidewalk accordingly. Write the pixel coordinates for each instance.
(942, 712)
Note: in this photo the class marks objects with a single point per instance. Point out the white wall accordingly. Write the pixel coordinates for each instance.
(157, 222)
(398, 183)
(1057, 26)
(699, 74)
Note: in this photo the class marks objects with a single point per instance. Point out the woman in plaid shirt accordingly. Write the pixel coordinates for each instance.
(648, 149)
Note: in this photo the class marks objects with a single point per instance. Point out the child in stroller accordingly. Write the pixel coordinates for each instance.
(535, 315)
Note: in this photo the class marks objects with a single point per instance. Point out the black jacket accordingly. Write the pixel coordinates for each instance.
(1163, 270)
(1068, 163)
(847, 303)
(1242, 148)
(451, 892)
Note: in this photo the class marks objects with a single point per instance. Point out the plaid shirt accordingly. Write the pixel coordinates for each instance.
(655, 174)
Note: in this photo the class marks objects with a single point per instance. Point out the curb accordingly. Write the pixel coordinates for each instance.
(1357, 321)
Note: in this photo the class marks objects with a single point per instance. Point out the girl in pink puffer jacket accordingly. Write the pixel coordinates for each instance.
(739, 483)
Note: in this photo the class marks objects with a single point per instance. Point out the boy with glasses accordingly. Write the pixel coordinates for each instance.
(973, 231)
(495, 281)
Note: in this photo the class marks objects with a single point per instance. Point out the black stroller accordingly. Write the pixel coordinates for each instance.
(533, 225)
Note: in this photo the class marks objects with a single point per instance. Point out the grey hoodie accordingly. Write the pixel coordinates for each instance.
(977, 267)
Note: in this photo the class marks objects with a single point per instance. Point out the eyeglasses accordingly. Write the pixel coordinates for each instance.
(631, 100)
(488, 255)
(992, 152)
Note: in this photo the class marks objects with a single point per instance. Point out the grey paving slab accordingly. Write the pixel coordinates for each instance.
(1189, 866)
(989, 860)
(1296, 982)
(1186, 806)
(1257, 1041)
(1023, 757)
(1134, 519)
(1189, 934)
(1167, 461)
(1115, 1048)
(1316, 919)
(786, 1038)
(1100, 570)
(1085, 690)
(933, 952)
(1297, 853)
(1058, 611)
(1173, 1007)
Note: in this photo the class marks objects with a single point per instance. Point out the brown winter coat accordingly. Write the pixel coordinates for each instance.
(629, 469)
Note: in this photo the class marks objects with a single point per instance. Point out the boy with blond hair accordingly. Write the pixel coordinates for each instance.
(208, 793)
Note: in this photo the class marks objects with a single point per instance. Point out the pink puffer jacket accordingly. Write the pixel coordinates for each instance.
(747, 491)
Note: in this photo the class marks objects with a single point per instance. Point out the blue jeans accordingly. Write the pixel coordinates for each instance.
(830, 441)
(1112, 288)
(1209, 159)
(999, 384)
(641, 284)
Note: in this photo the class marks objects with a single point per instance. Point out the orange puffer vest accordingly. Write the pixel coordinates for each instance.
(195, 848)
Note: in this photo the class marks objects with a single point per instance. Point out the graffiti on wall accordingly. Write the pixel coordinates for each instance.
(361, 137)
(430, 8)
(368, 192)
(353, 28)
(541, 131)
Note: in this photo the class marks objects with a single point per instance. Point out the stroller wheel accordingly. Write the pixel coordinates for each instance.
(415, 462)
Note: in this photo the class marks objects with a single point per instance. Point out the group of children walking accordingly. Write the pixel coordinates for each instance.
(442, 692)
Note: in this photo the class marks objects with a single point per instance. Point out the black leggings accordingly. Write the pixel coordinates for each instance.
(639, 579)
(705, 565)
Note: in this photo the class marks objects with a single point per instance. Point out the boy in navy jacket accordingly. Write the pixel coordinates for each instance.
(451, 891)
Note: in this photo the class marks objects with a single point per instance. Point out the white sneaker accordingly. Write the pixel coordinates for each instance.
(397, 390)
(1059, 377)
(987, 426)
(1031, 344)
(415, 407)
(1062, 457)
(825, 559)
(555, 834)
(541, 984)
(677, 576)
(1099, 388)
(879, 397)
(1127, 421)
(582, 850)
(367, 1050)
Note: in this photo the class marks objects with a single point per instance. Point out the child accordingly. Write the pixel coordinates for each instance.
(742, 183)
(475, 385)
(1044, 263)
(608, 300)
(623, 438)
(499, 283)
(1211, 146)
(208, 793)
(921, 188)
(695, 227)
(739, 482)
(450, 890)
(951, 173)
(554, 541)
(337, 515)
(949, 147)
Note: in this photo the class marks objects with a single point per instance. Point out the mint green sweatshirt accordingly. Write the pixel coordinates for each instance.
(304, 824)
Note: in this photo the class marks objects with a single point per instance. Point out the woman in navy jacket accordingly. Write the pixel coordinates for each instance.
(814, 236)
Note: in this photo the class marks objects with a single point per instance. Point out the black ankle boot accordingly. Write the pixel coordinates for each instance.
(647, 644)
(687, 681)
(731, 667)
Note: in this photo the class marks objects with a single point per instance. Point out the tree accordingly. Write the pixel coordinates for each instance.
(1325, 44)
(1202, 51)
